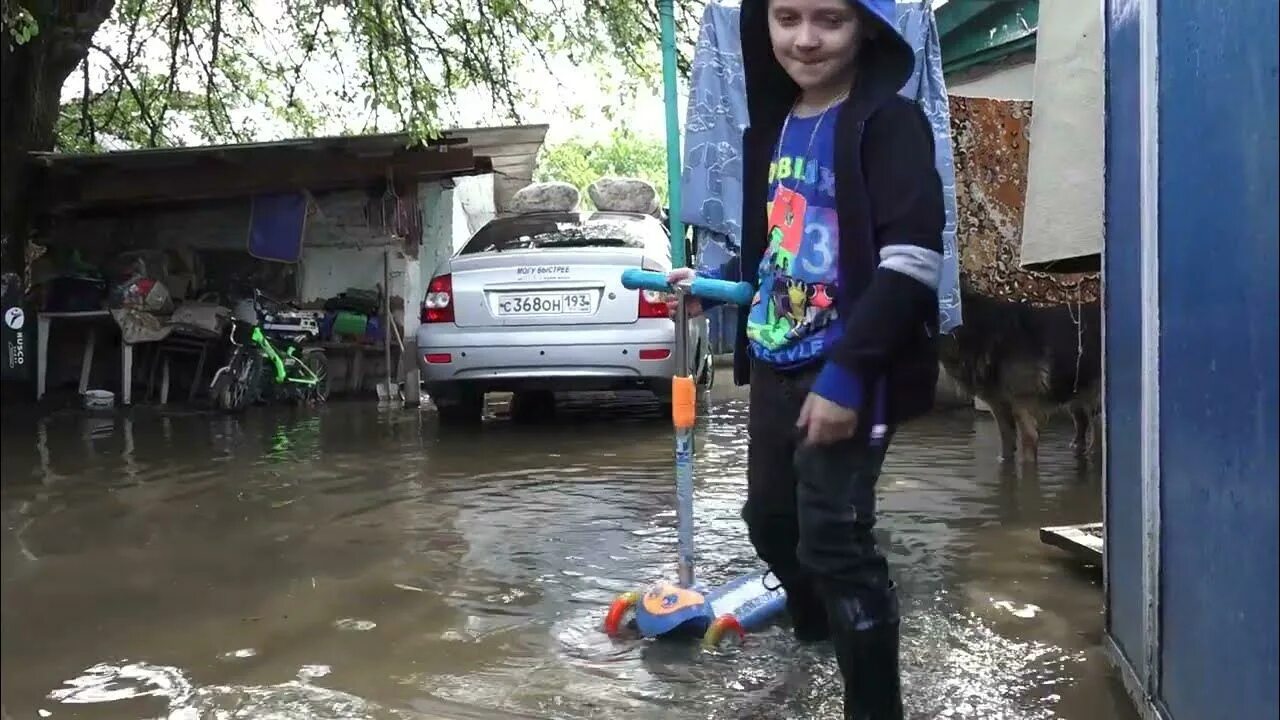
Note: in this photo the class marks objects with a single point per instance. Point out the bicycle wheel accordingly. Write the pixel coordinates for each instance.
(317, 362)
(239, 384)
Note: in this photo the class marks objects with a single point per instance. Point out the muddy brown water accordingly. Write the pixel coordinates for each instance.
(353, 562)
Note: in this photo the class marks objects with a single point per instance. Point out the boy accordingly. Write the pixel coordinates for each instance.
(842, 235)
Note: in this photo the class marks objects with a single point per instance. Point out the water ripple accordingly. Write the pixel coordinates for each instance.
(408, 566)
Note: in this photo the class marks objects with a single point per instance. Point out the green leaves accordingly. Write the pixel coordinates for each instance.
(624, 154)
(18, 23)
(181, 71)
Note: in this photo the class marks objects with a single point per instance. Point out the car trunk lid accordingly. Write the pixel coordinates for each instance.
(546, 286)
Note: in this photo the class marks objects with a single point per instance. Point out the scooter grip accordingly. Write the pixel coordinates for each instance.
(635, 279)
(737, 293)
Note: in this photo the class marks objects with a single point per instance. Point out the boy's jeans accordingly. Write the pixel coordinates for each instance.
(810, 511)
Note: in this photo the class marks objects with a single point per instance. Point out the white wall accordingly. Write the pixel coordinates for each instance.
(344, 248)
(1001, 82)
(329, 270)
(436, 206)
(449, 217)
(473, 206)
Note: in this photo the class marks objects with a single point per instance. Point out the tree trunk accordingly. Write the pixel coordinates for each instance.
(31, 80)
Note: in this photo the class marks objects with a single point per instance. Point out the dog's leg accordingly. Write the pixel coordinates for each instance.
(1028, 423)
(1080, 418)
(1095, 436)
(1008, 427)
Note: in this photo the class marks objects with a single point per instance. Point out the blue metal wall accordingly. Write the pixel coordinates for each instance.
(1218, 340)
(1122, 297)
(1219, 183)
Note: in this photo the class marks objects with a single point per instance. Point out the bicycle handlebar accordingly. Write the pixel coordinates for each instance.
(267, 302)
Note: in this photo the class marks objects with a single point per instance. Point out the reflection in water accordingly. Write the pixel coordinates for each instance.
(361, 562)
(107, 683)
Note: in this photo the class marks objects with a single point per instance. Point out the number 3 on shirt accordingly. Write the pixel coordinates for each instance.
(786, 220)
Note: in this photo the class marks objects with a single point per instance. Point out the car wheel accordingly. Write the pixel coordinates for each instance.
(465, 410)
(665, 407)
(532, 406)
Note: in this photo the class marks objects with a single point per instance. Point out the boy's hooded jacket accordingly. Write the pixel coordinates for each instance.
(889, 204)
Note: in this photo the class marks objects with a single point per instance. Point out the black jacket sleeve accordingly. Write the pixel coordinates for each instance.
(730, 269)
(908, 216)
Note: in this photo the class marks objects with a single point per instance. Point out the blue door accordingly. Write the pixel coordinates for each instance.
(1191, 353)
(1218, 401)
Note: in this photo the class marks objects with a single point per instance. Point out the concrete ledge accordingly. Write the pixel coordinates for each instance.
(1083, 541)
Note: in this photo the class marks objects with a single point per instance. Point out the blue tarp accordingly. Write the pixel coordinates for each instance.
(717, 114)
(277, 225)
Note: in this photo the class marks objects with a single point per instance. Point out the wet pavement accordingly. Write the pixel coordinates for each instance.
(354, 562)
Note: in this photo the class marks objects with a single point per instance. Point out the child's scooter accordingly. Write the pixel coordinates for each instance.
(686, 608)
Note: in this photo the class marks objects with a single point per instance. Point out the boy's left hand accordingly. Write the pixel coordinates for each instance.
(825, 422)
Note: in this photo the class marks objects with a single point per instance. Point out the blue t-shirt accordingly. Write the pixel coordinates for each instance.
(792, 319)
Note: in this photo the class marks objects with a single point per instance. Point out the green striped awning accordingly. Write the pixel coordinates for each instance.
(975, 32)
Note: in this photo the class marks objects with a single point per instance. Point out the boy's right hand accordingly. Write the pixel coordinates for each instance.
(692, 304)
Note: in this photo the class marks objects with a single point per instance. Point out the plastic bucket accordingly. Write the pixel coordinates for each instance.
(349, 323)
(99, 399)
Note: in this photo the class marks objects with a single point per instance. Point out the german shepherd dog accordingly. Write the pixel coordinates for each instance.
(1025, 362)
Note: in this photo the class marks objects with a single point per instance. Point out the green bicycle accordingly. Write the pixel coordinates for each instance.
(271, 358)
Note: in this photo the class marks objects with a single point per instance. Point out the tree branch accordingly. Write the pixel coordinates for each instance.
(87, 129)
(414, 57)
(144, 108)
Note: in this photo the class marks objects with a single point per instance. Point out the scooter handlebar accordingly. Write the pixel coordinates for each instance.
(736, 293)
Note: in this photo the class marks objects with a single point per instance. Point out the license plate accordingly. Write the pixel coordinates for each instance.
(562, 303)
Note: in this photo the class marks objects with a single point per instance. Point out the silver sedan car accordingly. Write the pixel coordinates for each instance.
(534, 304)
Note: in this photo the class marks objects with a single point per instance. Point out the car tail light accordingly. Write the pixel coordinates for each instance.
(653, 304)
(655, 354)
(438, 358)
(438, 307)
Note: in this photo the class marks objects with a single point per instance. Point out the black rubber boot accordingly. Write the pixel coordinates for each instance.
(808, 615)
(804, 606)
(866, 646)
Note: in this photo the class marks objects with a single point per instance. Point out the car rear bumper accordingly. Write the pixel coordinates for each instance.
(455, 359)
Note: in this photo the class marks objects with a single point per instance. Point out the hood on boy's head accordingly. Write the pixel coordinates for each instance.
(885, 61)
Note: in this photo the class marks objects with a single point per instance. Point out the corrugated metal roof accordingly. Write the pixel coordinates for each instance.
(79, 181)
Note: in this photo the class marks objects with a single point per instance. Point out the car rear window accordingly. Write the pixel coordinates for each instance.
(531, 232)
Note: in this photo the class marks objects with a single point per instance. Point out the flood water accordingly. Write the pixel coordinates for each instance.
(353, 562)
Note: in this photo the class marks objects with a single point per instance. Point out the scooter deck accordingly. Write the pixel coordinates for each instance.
(748, 600)
(744, 604)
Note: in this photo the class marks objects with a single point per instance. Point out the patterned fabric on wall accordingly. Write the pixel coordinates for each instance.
(992, 141)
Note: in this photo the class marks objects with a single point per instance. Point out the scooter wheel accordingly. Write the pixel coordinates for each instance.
(615, 622)
(724, 626)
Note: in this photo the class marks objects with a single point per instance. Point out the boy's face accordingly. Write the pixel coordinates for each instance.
(815, 41)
